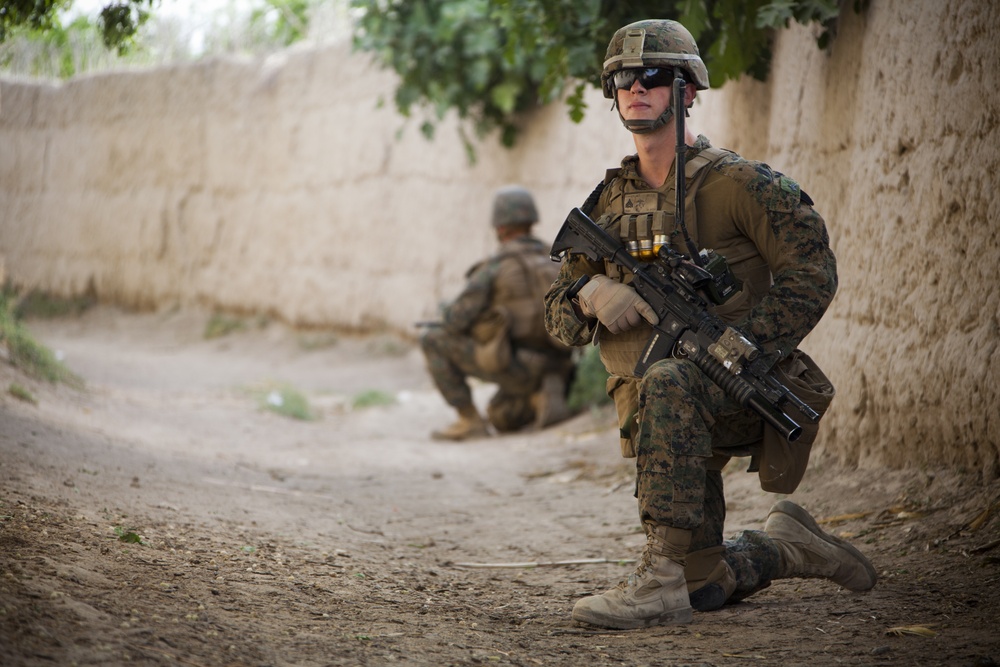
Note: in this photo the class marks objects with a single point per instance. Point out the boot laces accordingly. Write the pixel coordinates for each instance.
(645, 563)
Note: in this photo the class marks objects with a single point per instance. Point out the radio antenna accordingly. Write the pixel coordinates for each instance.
(679, 168)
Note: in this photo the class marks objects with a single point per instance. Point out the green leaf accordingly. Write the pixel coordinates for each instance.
(576, 103)
(492, 60)
(776, 14)
(505, 95)
(694, 15)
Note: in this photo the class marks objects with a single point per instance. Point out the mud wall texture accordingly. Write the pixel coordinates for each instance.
(279, 186)
(282, 187)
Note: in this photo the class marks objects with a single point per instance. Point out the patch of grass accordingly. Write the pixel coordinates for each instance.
(286, 401)
(589, 387)
(128, 535)
(21, 394)
(220, 325)
(371, 398)
(27, 354)
(43, 305)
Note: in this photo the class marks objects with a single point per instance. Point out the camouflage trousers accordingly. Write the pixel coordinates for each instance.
(451, 361)
(684, 419)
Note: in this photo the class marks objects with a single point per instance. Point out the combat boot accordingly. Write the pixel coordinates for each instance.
(806, 551)
(469, 425)
(549, 402)
(655, 594)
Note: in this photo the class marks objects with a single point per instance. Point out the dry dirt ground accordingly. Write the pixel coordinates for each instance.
(354, 539)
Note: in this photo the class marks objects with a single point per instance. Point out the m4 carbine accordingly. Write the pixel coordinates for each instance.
(673, 285)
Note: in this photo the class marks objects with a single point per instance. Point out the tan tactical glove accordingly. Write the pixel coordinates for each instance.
(617, 306)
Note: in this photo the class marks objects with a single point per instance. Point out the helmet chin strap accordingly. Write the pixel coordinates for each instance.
(646, 126)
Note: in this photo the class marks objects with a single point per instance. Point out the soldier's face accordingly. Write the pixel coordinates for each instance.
(641, 103)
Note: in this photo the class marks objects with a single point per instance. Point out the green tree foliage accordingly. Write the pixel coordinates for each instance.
(135, 33)
(29, 14)
(118, 21)
(492, 60)
(283, 21)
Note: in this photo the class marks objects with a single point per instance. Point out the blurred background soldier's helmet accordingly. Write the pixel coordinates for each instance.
(653, 43)
(513, 205)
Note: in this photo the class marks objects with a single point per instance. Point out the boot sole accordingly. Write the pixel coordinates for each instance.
(675, 617)
(803, 517)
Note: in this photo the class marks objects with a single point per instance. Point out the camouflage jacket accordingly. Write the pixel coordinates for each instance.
(744, 207)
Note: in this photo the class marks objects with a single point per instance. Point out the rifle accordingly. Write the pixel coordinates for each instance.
(676, 288)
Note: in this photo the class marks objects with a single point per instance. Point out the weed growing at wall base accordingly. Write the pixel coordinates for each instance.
(41, 304)
(27, 354)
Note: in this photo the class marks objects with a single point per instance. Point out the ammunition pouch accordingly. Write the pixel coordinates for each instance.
(781, 463)
(625, 393)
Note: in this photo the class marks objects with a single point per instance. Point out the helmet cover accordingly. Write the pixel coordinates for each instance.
(513, 205)
(653, 43)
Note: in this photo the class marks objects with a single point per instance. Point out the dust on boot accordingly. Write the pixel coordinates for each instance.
(655, 594)
(806, 551)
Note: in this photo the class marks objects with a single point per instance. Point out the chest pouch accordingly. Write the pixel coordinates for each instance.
(644, 221)
(643, 234)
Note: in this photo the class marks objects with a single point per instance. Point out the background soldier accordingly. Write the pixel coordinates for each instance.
(494, 331)
(681, 427)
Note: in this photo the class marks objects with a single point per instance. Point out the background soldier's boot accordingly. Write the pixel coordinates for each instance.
(710, 579)
(549, 402)
(655, 594)
(806, 551)
(469, 425)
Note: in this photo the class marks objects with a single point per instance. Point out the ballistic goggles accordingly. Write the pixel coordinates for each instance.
(648, 77)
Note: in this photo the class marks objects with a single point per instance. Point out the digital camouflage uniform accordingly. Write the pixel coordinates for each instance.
(511, 281)
(679, 425)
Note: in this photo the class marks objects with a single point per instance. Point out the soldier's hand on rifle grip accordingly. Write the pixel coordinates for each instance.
(617, 306)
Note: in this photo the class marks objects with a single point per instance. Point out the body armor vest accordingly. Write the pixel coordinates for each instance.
(644, 221)
(524, 275)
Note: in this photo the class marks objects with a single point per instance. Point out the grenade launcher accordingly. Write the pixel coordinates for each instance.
(676, 288)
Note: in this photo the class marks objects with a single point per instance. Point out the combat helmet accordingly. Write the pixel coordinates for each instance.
(513, 205)
(653, 43)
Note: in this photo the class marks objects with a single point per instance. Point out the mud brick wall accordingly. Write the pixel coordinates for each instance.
(280, 186)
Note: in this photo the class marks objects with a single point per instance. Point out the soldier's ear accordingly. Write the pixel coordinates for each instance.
(690, 93)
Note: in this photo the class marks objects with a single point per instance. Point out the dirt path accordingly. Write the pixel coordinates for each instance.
(348, 540)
